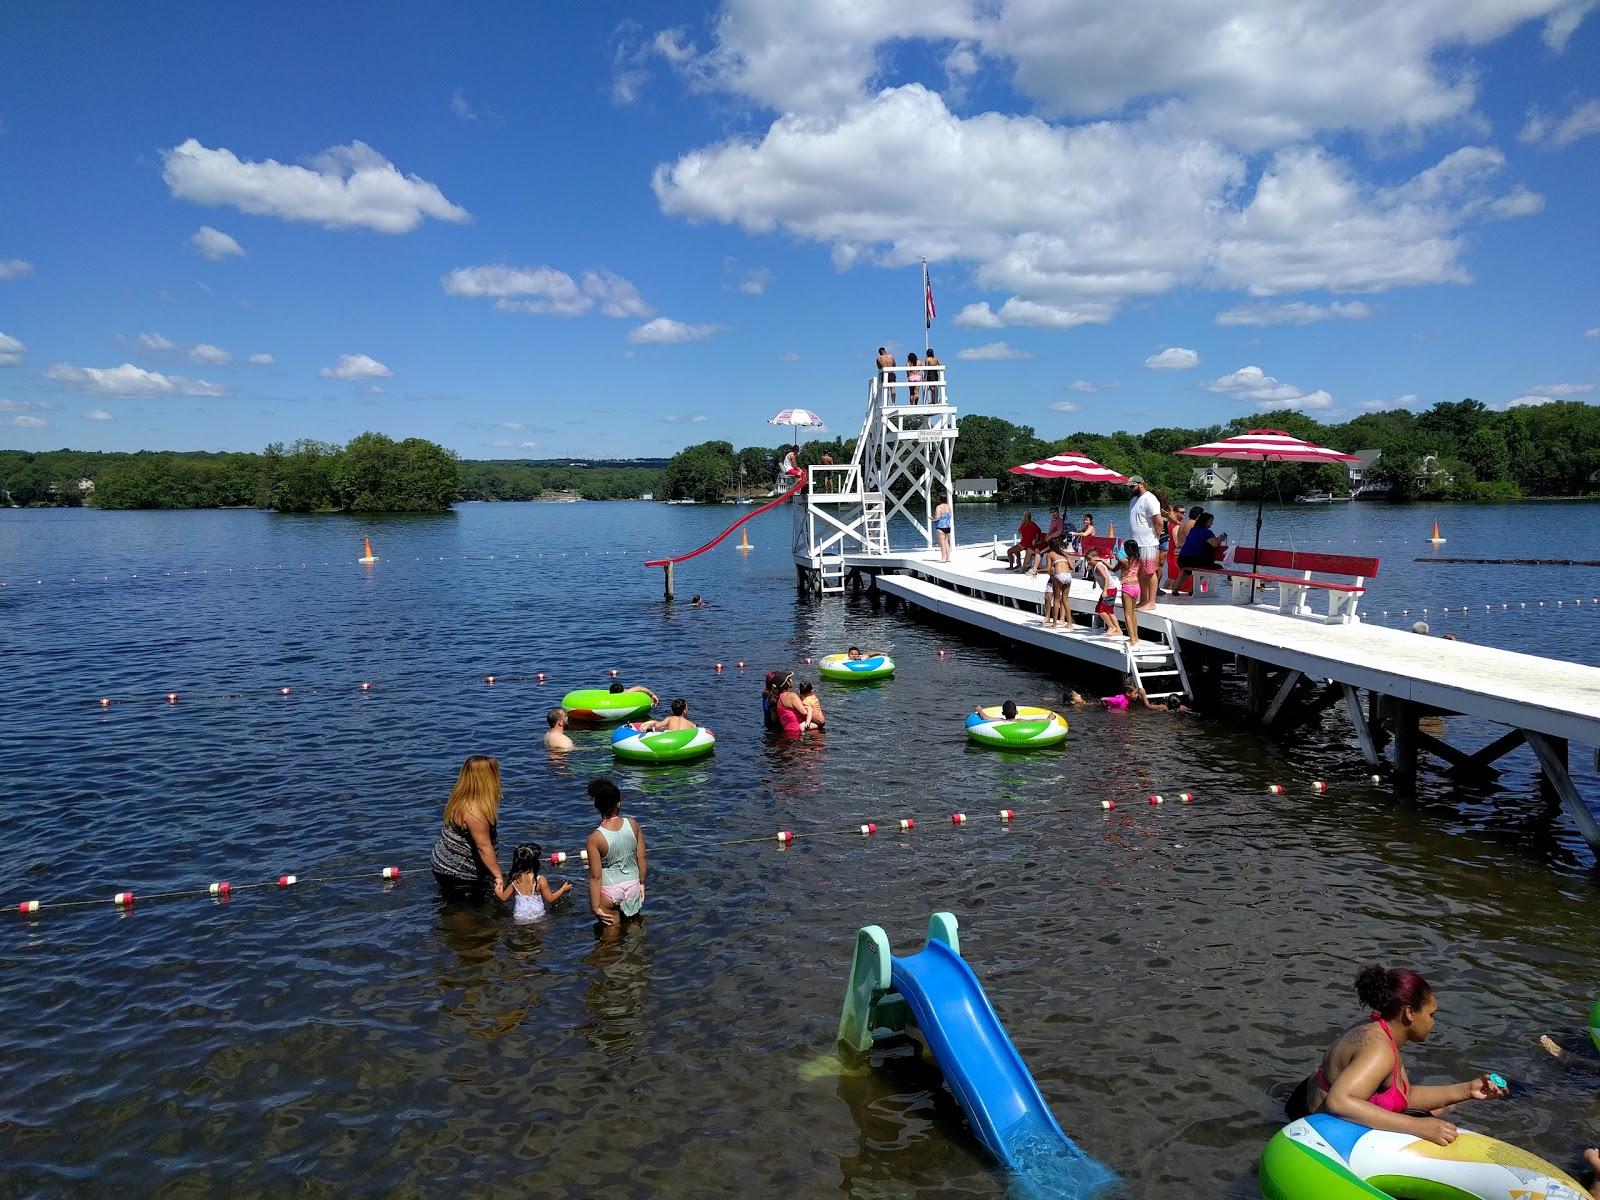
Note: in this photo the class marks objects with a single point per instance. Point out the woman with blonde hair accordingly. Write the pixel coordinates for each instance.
(464, 859)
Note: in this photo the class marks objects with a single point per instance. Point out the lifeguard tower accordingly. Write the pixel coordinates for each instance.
(881, 503)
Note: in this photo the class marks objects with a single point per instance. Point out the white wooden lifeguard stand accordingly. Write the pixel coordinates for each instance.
(898, 475)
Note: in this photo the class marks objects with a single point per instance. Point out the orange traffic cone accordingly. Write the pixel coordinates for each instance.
(1436, 539)
(744, 539)
(367, 556)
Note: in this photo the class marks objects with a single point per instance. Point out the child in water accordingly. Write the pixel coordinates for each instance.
(815, 717)
(528, 889)
(678, 719)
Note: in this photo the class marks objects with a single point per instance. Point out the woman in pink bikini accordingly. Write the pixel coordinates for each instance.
(1363, 1078)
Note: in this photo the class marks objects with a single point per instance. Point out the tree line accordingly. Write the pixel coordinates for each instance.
(1458, 450)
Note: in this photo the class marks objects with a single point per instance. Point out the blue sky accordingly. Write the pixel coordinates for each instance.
(607, 230)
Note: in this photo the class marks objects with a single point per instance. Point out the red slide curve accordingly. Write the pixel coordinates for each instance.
(771, 504)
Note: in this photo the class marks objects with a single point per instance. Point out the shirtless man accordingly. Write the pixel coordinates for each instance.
(556, 739)
(886, 374)
(677, 720)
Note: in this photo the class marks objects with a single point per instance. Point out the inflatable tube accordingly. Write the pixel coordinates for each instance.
(1031, 729)
(853, 670)
(597, 704)
(668, 746)
(1594, 1024)
(1325, 1158)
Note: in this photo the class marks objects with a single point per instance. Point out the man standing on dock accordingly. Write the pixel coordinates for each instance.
(1144, 522)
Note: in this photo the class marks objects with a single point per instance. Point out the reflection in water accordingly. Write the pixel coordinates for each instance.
(613, 998)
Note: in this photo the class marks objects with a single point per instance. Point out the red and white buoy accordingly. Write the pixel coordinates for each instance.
(488, 679)
(869, 829)
(1108, 804)
(785, 836)
(907, 824)
(1318, 785)
(1008, 814)
(615, 672)
(1156, 800)
(288, 880)
(1186, 797)
(222, 889)
(283, 691)
(391, 872)
(958, 818)
(28, 906)
(1275, 789)
(583, 856)
(172, 697)
(557, 857)
(716, 666)
(123, 899)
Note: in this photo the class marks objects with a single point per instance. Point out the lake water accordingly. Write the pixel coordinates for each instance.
(1166, 972)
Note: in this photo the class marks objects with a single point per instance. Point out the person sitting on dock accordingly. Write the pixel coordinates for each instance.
(1202, 550)
(677, 719)
(1027, 534)
(617, 689)
(815, 717)
(556, 738)
(1362, 1077)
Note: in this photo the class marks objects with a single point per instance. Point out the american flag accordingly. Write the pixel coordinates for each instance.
(927, 291)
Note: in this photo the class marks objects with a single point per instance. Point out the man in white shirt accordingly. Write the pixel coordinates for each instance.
(1145, 522)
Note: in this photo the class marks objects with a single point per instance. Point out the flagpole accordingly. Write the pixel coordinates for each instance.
(927, 335)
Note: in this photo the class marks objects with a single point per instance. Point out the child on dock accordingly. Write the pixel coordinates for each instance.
(1128, 586)
(528, 890)
(1106, 607)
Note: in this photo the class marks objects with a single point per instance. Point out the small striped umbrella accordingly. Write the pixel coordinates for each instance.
(798, 418)
(1267, 445)
(1069, 465)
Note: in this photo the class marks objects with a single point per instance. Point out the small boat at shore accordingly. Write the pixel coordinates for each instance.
(1315, 498)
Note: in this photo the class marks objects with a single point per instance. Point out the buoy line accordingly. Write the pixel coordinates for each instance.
(784, 838)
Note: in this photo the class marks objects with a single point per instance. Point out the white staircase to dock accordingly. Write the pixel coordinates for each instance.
(899, 473)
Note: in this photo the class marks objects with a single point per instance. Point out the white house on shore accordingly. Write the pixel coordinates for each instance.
(1212, 481)
(976, 489)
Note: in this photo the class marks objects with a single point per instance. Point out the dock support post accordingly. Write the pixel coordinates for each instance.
(1405, 746)
(667, 573)
(1255, 675)
(1479, 760)
(1358, 718)
(1285, 690)
(1548, 791)
(1553, 772)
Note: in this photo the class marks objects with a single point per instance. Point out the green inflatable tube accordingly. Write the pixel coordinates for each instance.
(841, 668)
(1031, 729)
(598, 704)
(667, 746)
(1594, 1024)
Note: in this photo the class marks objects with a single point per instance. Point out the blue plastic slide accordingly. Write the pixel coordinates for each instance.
(943, 998)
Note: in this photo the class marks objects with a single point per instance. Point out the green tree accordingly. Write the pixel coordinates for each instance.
(702, 472)
(1486, 450)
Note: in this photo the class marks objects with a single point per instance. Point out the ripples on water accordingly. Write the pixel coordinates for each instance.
(1166, 972)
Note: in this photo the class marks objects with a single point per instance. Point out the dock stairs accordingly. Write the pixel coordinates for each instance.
(1157, 668)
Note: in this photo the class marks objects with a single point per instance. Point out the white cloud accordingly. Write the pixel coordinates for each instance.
(356, 366)
(14, 268)
(1062, 406)
(1518, 202)
(1563, 23)
(752, 281)
(789, 356)
(1090, 386)
(26, 421)
(664, 331)
(261, 360)
(1405, 401)
(991, 352)
(1256, 386)
(502, 443)
(344, 187)
(214, 244)
(1016, 311)
(97, 414)
(1559, 390)
(1530, 401)
(615, 295)
(1592, 334)
(13, 405)
(154, 341)
(11, 350)
(1173, 358)
(685, 419)
(129, 380)
(459, 106)
(1556, 134)
(211, 356)
(527, 445)
(979, 316)
(514, 426)
(1294, 312)
(546, 291)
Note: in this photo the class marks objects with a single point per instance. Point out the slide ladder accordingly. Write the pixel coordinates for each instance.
(936, 992)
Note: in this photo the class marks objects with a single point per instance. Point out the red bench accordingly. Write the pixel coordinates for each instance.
(1291, 571)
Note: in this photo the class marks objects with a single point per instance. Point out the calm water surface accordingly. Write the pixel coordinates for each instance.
(1167, 973)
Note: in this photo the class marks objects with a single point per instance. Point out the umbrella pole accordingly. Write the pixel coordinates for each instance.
(1256, 556)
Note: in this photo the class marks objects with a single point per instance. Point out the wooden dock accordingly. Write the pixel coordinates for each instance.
(1294, 667)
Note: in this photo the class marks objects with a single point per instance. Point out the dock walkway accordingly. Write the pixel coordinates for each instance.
(1544, 703)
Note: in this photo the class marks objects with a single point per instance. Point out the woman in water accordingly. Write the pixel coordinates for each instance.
(464, 859)
(617, 863)
(1363, 1078)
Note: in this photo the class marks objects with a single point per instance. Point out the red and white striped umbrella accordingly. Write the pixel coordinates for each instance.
(1069, 465)
(797, 417)
(1269, 445)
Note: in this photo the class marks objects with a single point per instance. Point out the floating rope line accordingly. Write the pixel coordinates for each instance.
(785, 838)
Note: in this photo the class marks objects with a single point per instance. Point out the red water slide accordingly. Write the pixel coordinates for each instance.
(771, 504)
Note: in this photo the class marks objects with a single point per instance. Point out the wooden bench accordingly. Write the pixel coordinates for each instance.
(1291, 571)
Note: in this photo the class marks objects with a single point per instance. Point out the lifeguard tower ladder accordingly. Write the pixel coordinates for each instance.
(898, 475)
